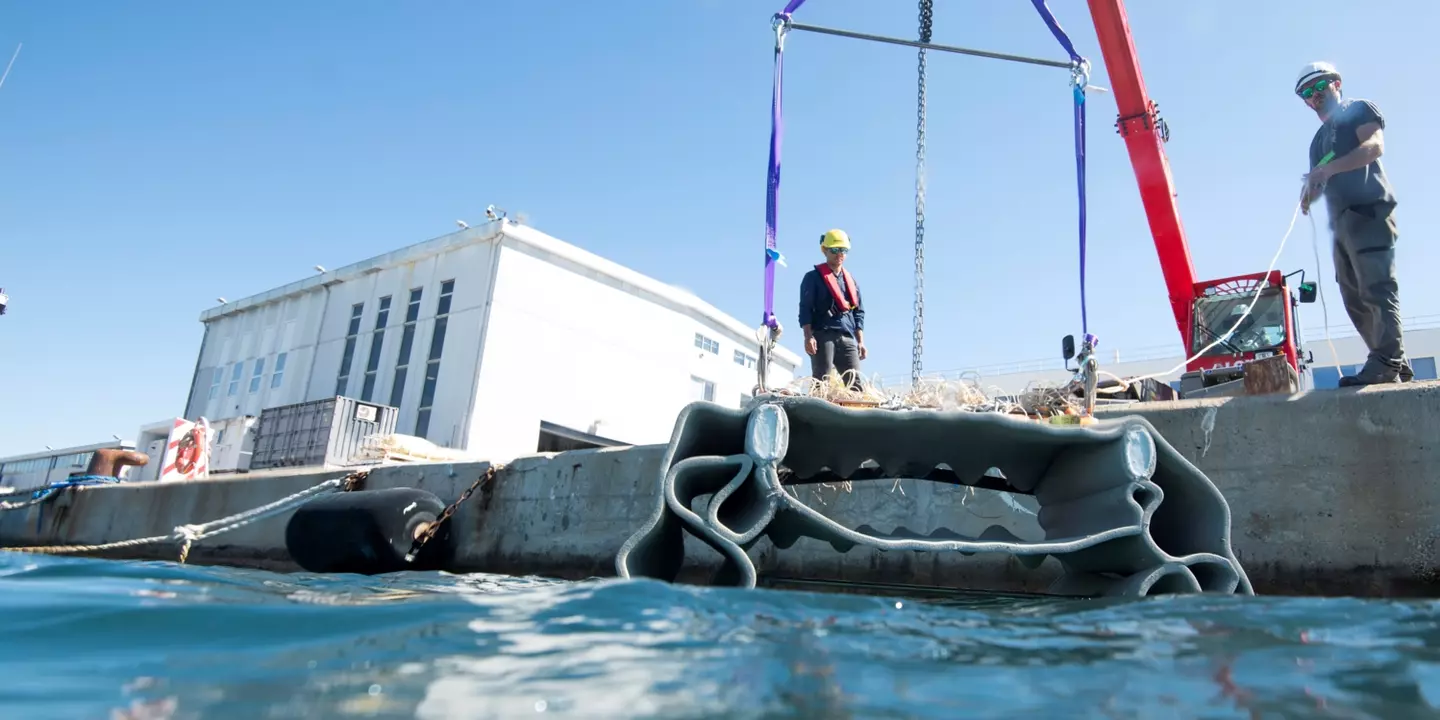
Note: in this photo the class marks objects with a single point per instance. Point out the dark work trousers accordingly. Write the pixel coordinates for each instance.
(835, 349)
(1364, 255)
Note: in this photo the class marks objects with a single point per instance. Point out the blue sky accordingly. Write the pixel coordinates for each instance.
(154, 156)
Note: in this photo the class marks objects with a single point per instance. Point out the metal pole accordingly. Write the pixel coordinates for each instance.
(931, 46)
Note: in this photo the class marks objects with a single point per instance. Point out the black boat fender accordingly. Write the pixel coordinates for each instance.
(367, 532)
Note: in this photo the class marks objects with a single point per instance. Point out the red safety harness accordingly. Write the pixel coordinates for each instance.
(828, 276)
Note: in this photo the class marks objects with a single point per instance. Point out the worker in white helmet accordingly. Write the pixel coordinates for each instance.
(1345, 168)
(832, 315)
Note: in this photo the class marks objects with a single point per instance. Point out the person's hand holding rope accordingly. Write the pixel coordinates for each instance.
(1314, 183)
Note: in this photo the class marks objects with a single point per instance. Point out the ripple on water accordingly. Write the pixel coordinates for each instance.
(87, 638)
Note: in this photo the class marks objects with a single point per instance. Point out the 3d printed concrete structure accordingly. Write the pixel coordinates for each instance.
(1122, 510)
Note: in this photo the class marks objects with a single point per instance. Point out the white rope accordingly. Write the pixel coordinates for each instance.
(22, 504)
(11, 63)
(226, 524)
(1320, 287)
(1260, 287)
(188, 534)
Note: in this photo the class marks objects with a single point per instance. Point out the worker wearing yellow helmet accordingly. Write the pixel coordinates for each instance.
(832, 314)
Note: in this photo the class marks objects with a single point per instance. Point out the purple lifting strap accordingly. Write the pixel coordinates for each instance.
(1069, 47)
(772, 189)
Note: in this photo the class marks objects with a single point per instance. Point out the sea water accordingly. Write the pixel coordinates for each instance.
(96, 639)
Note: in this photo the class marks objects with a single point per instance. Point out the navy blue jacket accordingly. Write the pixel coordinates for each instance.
(818, 308)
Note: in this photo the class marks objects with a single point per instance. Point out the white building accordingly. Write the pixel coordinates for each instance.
(48, 466)
(498, 340)
(1422, 346)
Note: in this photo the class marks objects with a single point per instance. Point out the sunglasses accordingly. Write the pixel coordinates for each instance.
(838, 251)
(1319, 86)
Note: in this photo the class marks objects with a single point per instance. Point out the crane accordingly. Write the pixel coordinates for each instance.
(1203, 310)
(1220, 326)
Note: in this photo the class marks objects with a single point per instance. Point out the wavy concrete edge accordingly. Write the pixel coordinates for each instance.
(1127, 551)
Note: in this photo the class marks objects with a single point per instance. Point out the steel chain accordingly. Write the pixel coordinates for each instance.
(449, 510)
(918, 334)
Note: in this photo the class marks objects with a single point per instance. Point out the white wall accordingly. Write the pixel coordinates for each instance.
(232, 443)
(572, 346)
(311, 329)
(36, 469)
(571, 338)
(152, 440)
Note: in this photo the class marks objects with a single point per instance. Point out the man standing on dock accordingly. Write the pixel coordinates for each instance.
(831, 313)
(1345, 167)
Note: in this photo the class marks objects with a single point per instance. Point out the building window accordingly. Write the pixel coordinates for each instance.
(701, 389)
(432, 363)
(1424, 368)
(1327, 378)
(235, 379)
(257, 375)
(277, 375)
(407, 339)
(75, 461)
(216, 378)
(352, 334)
(706, 344)
(745, 359)
(377, 340)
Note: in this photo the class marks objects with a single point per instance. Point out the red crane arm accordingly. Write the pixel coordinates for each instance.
(1144, 134)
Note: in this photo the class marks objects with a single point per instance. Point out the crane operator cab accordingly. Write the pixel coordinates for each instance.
(1220, 320)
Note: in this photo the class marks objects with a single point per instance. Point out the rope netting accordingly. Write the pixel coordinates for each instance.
(966, 393)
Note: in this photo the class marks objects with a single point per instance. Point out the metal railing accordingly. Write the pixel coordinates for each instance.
(1310, 336)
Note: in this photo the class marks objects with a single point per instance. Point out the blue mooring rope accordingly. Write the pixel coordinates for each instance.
(77, 481)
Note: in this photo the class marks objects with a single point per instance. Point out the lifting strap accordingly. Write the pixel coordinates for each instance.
(772, 190)
(769, 324)
(1079, 78)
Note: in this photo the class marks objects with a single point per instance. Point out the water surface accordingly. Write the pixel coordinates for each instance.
(94, 639)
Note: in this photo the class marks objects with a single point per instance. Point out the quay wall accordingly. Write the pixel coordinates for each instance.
(1331, 493)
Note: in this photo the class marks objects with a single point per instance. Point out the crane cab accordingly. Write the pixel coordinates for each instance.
(1268, 329)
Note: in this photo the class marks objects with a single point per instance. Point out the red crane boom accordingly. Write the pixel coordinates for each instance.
(1144, 133)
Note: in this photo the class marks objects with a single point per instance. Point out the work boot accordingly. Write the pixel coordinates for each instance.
(1407, 373)
(1374, 374)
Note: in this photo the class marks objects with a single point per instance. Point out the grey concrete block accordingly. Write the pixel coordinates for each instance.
(1120, 509)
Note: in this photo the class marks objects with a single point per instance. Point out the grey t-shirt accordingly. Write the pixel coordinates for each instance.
(1363, 186)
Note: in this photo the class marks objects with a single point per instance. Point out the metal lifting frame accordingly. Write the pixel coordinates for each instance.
(932, 46)
(783, 23)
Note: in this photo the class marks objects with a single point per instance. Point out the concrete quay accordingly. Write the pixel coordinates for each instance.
(1331, 493)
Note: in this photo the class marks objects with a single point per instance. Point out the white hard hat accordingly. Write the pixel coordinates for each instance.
(1314, 71)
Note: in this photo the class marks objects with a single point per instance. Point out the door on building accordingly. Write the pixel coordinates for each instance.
(558, 438)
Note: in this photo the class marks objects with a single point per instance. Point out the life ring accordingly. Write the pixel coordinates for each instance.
(187, 453)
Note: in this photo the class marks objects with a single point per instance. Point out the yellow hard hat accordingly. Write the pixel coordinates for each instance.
(835, 239)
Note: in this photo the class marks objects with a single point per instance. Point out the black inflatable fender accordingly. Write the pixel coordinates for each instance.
(367, 532)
